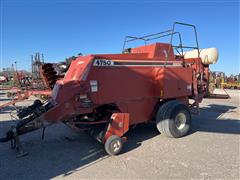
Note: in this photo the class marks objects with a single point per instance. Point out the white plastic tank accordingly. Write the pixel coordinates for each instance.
(208, 56)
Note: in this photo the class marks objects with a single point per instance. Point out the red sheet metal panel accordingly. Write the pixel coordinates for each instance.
(118, 126)
(134, 85)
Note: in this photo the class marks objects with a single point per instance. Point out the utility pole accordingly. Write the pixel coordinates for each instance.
(15, 62)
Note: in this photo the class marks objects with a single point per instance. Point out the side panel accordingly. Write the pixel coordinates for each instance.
(177, 82)
(122, 83)
(136, 89)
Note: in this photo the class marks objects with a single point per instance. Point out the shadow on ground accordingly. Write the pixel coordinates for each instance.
(58, 155)
(61, 153)
(210, 120)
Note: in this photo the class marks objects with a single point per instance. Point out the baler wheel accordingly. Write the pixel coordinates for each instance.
(113, 145)
(173, 119)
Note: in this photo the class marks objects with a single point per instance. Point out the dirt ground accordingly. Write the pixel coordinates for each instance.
(210, 151)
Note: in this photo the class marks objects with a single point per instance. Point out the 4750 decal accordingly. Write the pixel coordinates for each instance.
(103, 62)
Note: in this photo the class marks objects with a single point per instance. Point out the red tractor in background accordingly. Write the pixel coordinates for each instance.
(107, 94)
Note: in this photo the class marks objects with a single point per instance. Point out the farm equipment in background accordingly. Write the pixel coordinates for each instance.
(232, 82)
(107, 94)
(220, 80)
(27, 84)
(216, 80)
(3, 79)
(231, 85)
(49, 73)
(39, 83)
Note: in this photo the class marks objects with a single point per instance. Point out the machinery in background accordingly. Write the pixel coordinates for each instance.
(231, 82)
(219, 80)
(3, 79)
(27, 84)
(39, 82)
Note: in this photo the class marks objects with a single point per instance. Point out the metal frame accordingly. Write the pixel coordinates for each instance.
(166, 33)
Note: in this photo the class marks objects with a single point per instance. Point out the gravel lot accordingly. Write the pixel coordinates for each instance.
(210, 151)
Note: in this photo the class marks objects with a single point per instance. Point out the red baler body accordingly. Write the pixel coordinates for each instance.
(134, 82)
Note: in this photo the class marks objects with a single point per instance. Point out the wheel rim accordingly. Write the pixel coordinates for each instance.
(116, 146)
(180, 120)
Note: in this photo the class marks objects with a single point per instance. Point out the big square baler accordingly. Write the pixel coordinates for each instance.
(107, 94)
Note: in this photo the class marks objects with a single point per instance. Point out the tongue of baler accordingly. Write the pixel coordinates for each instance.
(28, 120)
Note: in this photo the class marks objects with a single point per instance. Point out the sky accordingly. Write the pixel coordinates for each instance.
(63, 28)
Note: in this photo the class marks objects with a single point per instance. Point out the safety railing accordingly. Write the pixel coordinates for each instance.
(166, 33)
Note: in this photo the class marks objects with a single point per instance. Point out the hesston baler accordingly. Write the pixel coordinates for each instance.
(107, 94)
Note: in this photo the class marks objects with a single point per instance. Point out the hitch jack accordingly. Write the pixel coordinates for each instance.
(16, 143)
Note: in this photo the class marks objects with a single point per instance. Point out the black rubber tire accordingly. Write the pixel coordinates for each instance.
(110, 143)
(166, 119)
